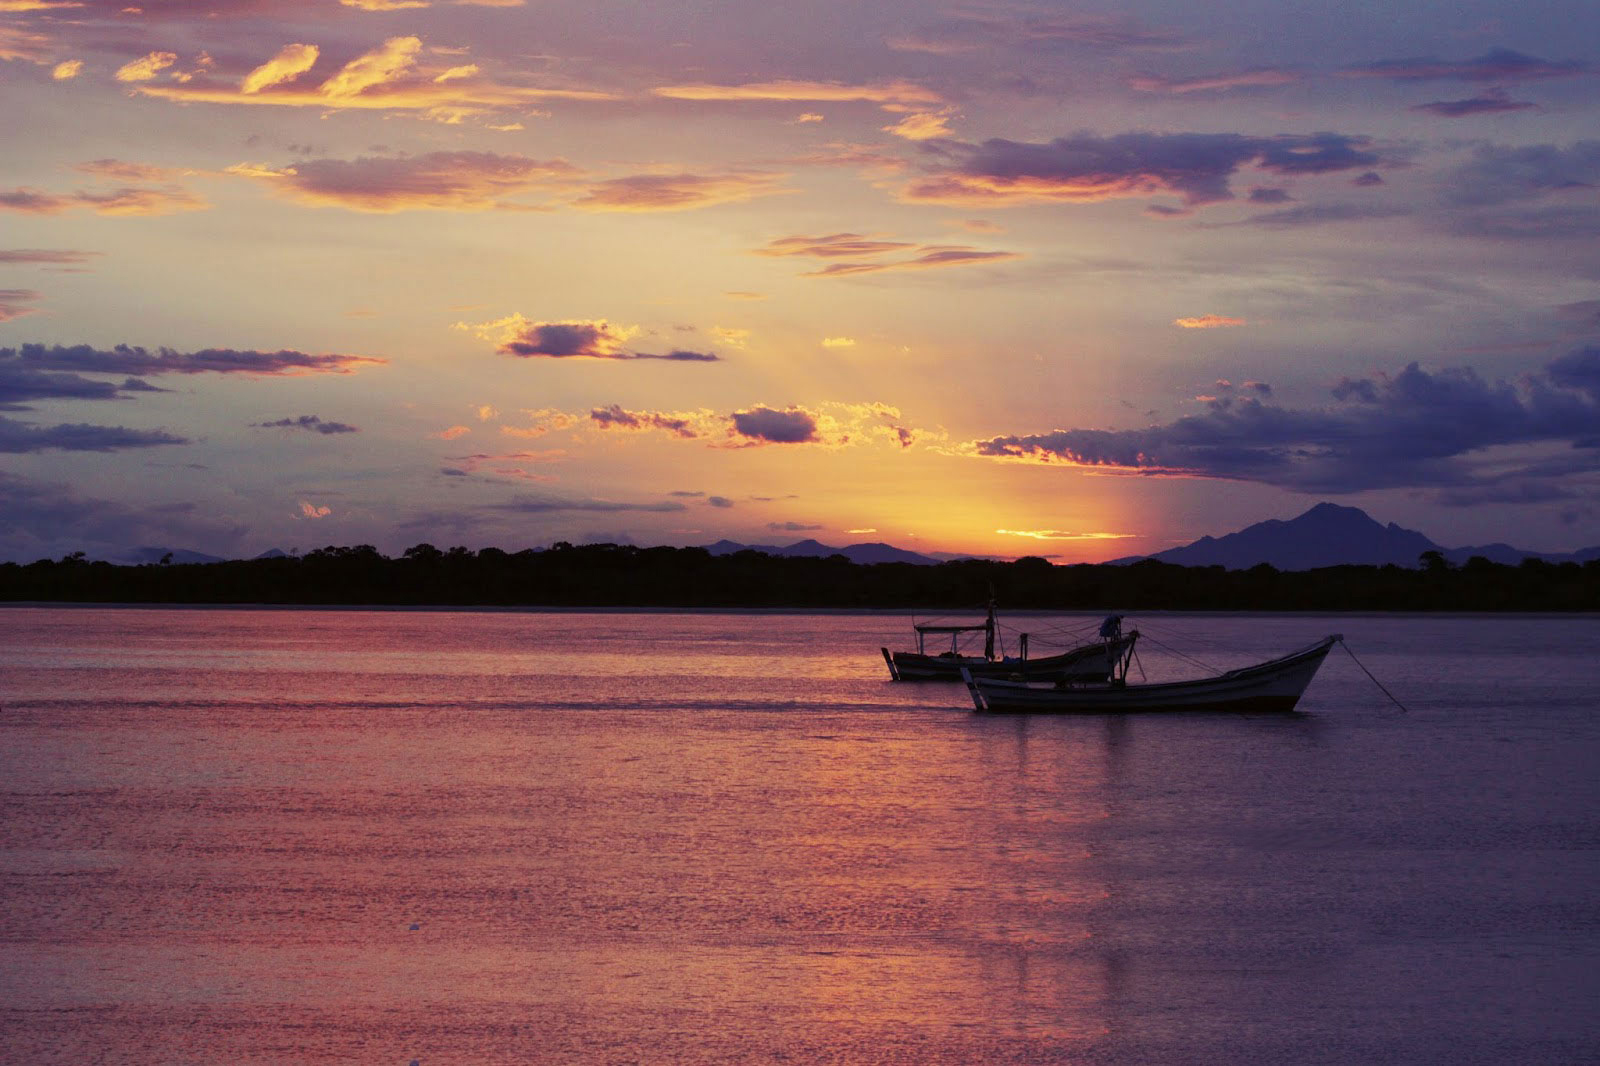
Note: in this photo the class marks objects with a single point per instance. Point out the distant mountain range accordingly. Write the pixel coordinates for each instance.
(1326, 535)
(865, 554)
(1331, 535)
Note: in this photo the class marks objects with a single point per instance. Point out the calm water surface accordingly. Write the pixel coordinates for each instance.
(474, 838)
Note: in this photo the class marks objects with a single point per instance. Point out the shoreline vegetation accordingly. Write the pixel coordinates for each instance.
(612, 575)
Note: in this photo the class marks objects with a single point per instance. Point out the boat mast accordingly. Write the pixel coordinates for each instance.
(988, 633)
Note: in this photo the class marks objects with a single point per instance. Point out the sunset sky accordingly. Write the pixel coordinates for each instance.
(1068, 279)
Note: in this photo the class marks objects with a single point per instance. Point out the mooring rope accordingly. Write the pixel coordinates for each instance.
(1375, 681)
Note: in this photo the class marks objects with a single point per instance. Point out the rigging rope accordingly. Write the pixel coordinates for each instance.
(1375, 681)
(1175, 652)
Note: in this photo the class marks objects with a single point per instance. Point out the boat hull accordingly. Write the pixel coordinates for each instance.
(1274, 686)
(1092, 662)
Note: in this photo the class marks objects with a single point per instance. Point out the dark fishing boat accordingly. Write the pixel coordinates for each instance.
(1087, 662)
(1275, 685)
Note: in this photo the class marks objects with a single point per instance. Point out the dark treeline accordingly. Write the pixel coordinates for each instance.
(610, 575)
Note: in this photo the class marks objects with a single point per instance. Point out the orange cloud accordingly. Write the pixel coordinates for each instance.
(384, 5)
(387, 78)
(898, 93)
(380, 66)
(545, 420)
(291, 61)
(451, 433)
(1207, 322)
(1062, 534)
(146, 67)
(677, 192)
(923, 125)
(67, 70)
(28, 47)
(311, 510)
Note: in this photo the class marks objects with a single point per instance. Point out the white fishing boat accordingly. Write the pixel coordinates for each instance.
(1087, 662)
(1275, 685)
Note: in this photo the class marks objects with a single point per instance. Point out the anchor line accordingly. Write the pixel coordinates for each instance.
(1403, 708)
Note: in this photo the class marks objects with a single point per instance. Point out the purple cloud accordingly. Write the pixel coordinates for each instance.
(311, 423)
(1085, 168)
(1319, 215)
(1490, 101)
(1497, 174)
(554, 505)
(615, 417)
(45, 519)
(16, 437)
(791, 426)
(1497, 64)
(128, 359)
(1416, 429)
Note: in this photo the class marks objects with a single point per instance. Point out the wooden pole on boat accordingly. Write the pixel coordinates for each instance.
(894, 673)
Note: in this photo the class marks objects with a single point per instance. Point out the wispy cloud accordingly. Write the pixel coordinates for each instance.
(1497, 64)
(1207, 322)
(859, 254)
(556, 505)
(1488, 102)
(1062, 534)
(123, 201)
(887, 93)
(131, 359)
(1049, 33)
(929, 257)
(14, 303)
(677, 192)
(435, 181)
(687, 425)
(1261, 77)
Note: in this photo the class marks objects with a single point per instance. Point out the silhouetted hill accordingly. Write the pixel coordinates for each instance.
(864, 554)
(149, 554)
(1331, 535)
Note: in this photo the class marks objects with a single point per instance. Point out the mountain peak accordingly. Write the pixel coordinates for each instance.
(1326, 535)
